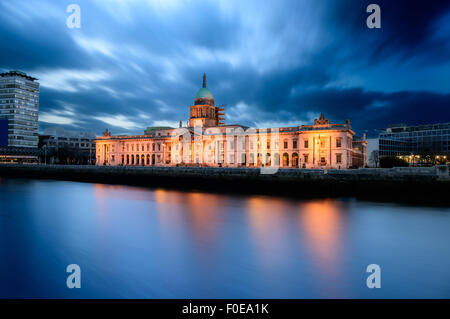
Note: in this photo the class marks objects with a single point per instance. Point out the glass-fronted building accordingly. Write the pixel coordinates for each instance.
(19, 103)
(421, 140)
(3, 132)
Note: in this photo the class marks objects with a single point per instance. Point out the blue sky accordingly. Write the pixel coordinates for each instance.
(138, 63)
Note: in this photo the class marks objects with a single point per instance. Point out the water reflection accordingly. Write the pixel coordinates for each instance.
(141, 243)
(268, 219)
(321, 222)
(204, 217)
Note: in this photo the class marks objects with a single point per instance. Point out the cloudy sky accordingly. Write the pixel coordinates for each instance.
(139, 63)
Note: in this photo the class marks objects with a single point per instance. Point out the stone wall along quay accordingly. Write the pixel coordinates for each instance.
(429, 185)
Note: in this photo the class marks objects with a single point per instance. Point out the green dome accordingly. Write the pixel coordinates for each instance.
(204, 93)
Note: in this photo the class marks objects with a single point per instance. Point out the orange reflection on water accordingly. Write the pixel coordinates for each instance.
(204, 210)
(267, 218)
(160, 196)
(197, 210)
(101, 192)
(320, 221)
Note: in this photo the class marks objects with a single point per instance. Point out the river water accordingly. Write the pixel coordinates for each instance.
(154, 243)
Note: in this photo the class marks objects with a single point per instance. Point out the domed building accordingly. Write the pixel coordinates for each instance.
(207, 141)
(204, 95)
(204, 113)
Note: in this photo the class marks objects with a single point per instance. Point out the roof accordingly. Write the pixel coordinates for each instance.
(204, 93)
(154, 128)
(18, 73)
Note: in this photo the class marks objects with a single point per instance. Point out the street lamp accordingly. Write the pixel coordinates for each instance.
(45, 154)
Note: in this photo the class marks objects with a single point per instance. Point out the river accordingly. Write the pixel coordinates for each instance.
(135, 242)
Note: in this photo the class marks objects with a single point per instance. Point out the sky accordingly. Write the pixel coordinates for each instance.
(139, 63)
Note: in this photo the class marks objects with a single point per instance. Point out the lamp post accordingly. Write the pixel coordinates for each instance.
(45, 154)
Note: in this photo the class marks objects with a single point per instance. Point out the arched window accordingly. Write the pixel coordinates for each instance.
(142, 159)
(128, 159)
(252, 159)
(153, 159)
(295, 160)
(285, 159)
(148, 159)
(268, 161)
(277, 159)
(132, 159)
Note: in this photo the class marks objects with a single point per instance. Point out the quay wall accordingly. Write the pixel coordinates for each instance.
(413, 184)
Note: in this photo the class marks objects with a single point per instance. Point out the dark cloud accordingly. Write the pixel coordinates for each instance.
(407, 28)
(137, 64)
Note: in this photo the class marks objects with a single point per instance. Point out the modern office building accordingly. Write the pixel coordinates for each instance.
(432, 140)
(19, 104)
(207, 141)
(72, 146)
(3, 132)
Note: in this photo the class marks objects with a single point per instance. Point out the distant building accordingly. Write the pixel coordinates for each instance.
(3, 132)
(65, 146)
(207, 141)
(152, 129)
(421, 140)
(359, 151)
(19, 103)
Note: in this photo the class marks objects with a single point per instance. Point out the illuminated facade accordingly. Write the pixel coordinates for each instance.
(207, 141)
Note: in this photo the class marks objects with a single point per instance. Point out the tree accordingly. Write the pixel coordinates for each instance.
(374, 158)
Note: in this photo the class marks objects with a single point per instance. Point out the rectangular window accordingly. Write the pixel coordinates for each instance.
(294, 143)
(285, 144)
(305, 156)
(338, 142)
(306, 142)
(338, 158)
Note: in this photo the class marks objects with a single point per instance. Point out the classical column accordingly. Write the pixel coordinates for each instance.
(330, 148)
